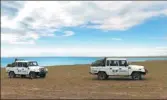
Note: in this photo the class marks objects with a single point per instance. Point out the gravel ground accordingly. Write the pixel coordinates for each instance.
(75, 82)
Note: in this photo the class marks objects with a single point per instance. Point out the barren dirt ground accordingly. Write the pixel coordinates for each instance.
(75, 82)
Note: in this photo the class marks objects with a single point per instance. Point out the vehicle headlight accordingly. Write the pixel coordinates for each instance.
(41, 69)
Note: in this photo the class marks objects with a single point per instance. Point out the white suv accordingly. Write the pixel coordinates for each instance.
(116, 67)
(26, 68)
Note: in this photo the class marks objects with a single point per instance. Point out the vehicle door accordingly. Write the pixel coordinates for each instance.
(15, 67)
(123, 68)
(112, 67)
(18, 67)
(24, 70)
(108, 68)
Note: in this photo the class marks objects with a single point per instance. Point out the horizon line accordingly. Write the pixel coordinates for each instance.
(89, 56)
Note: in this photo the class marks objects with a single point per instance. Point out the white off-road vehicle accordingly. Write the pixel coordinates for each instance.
(116, 67)
(26, 69)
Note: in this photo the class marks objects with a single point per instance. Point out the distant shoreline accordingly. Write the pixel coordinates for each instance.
(92, 56)
(89, 64)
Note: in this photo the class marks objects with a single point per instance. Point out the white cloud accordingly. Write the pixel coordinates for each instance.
(165, 12)
(32, 35)
(96, 52)
(36, 19)
(6, 23)
(159, 38)
(117, 39)
(68, 33)
(23, 42)
(10, 38)
(105, 15)
(50, 35)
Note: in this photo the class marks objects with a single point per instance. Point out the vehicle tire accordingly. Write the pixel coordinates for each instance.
(23, 76)
(43, 76)
(102, 76)
(32, 75)
(12, 75)
(136, 76)
(107, 77)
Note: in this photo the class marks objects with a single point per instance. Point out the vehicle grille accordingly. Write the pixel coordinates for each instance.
(42, 69)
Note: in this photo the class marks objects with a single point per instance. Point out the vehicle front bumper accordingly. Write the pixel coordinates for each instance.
(42, 73)
(92, 73)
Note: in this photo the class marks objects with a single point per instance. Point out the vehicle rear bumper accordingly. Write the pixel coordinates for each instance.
(146, 71)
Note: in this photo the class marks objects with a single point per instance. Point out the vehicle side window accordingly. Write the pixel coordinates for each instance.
(19, 64)
(122, 63)
(115, 63)
(25, 65)
(112, 63)
(108, 63)
(16, 64)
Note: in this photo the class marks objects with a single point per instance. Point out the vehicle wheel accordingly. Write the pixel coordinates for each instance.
(107, 77)
(23, 76)
(43, 76)
(12, 75)
(102, 76)
(136, 76)
(32, 75)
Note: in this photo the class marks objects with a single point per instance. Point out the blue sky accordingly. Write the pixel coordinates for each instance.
(76, 28)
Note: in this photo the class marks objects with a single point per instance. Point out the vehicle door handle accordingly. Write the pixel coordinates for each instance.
(110, 68)
(120, 68)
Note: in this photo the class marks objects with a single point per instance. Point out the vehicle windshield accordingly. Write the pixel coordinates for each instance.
(33, 63)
